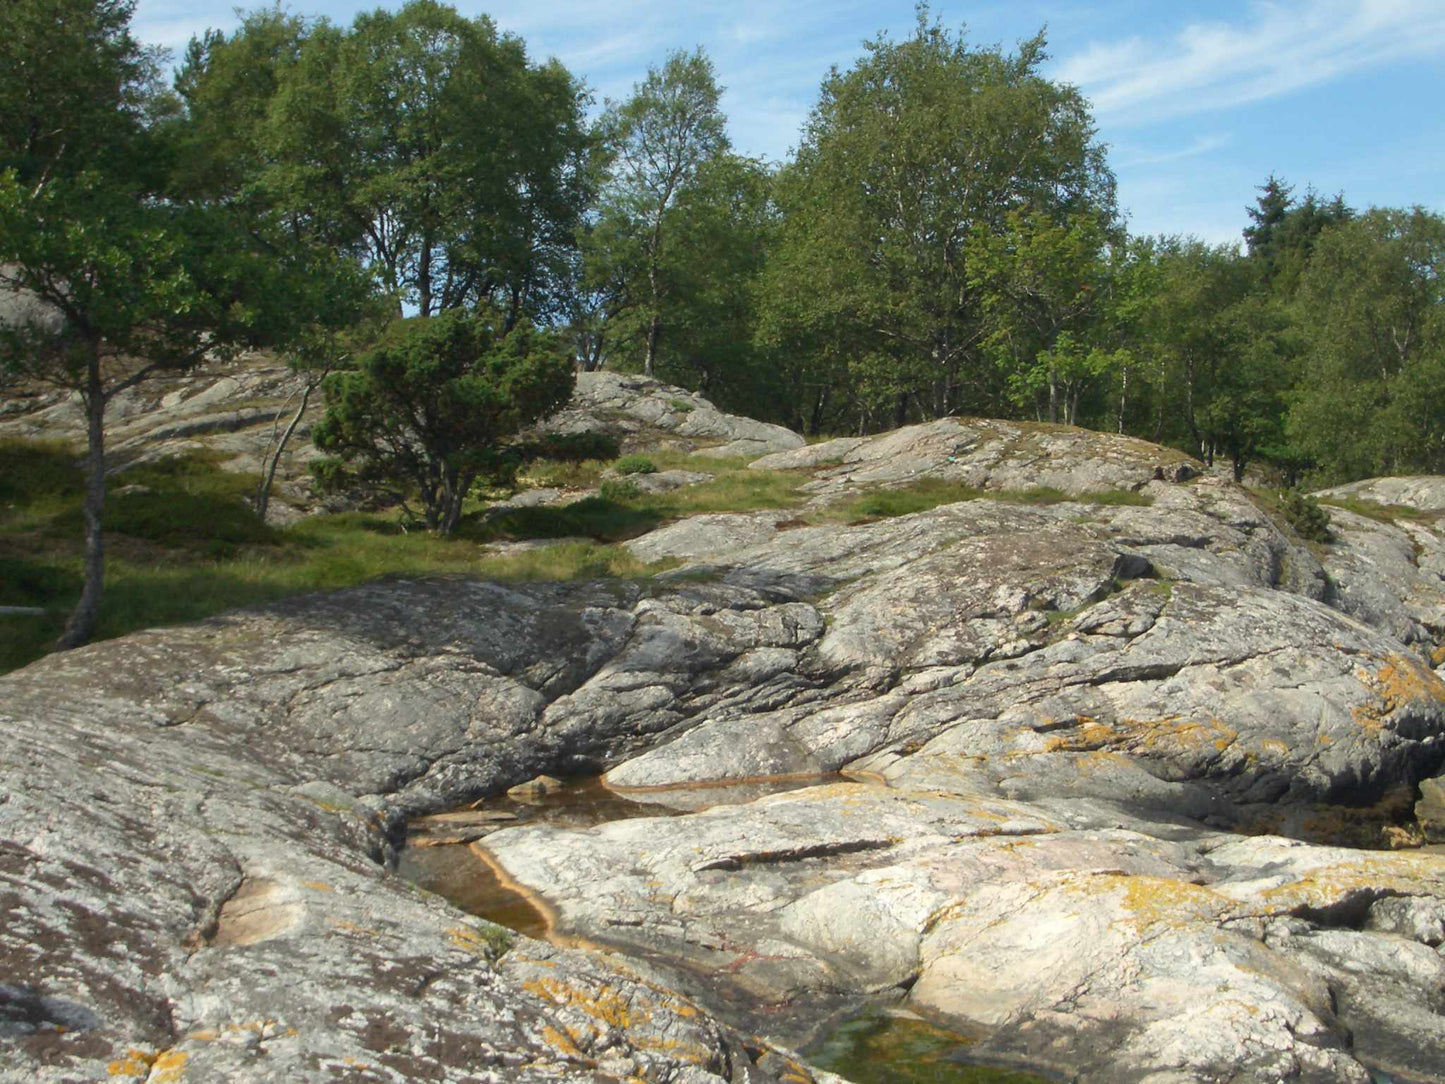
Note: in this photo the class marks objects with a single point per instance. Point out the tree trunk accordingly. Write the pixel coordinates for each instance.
(263, 492)
(454, 487)
(820, 403)
(83, 618)
(1123, 398)
(900, 411)
(654, 333)
(1053, 396)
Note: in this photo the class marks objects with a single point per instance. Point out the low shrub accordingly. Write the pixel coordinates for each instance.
(619, 490)
(635, 464)
(571, 447)
(1302, 512)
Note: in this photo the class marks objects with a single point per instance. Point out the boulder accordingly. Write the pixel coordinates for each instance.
(641, 411)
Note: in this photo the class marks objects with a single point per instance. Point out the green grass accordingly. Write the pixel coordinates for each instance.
(184, 544)
(932, 492)
(189, 546)
(1384, 513)
(621, 511)
(563, 473)
(38, 479)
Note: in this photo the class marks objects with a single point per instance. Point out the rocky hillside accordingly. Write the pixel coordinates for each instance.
(235, 412)
(1087, 737)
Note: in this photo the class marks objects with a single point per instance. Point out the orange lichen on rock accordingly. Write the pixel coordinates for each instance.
(561, 1042)
(1164, 734)
(1398, 682)
(169, 1067)
(606, 1006)
(1151, 901)
(135, 1063)
(1370, 875)
(164, 1067)
(1090, 735)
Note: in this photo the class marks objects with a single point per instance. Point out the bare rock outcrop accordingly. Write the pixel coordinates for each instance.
(1074, 758)
(642, 411)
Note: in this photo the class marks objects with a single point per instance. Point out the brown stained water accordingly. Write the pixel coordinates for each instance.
(457, 873)
(873, 1048)
(884, 1048)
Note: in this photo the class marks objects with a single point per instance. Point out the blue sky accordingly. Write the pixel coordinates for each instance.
(1198, 102)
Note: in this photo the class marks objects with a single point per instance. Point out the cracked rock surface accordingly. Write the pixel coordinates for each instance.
(1081, 749)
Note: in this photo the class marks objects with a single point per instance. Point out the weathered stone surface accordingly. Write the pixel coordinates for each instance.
(640, 409)
(228, 410)
(1430, 809)
(1425, 492)
(1391, 574)
(979, 452)
(196, 825)
(1050, 720)
(664, 480)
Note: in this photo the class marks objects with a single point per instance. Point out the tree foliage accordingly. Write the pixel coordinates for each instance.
(426, 408)
(910, 160)
(422, 142)
(1371, 308)
(658, 143)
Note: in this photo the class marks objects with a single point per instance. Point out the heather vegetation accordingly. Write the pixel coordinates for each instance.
(944, 241)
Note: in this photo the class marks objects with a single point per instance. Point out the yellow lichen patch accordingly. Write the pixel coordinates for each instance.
(1379, 873)
(1090, 735)
(560, 1042)
(135, 1063)
(169, 1067)
(1274, 746)
(1398, 682)
(1437, 657)
(681, 1008)
(676, 1049)
(349, 927)
(317, 886)
(1151, 901)
(464, 937)
(606, 1006)
(1165, 734)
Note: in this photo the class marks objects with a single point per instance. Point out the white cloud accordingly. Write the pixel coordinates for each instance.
(1204, 144)
(1282, 47)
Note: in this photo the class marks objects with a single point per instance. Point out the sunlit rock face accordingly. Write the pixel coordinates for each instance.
(1088, 754)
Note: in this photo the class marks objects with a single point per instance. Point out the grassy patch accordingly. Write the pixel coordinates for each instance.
(904, 501)
(599, 518)
(38, 479)
(734, 489)
(622, 511)
(932, 492)
(184, 545)
(563, 473)
(1384, 513)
